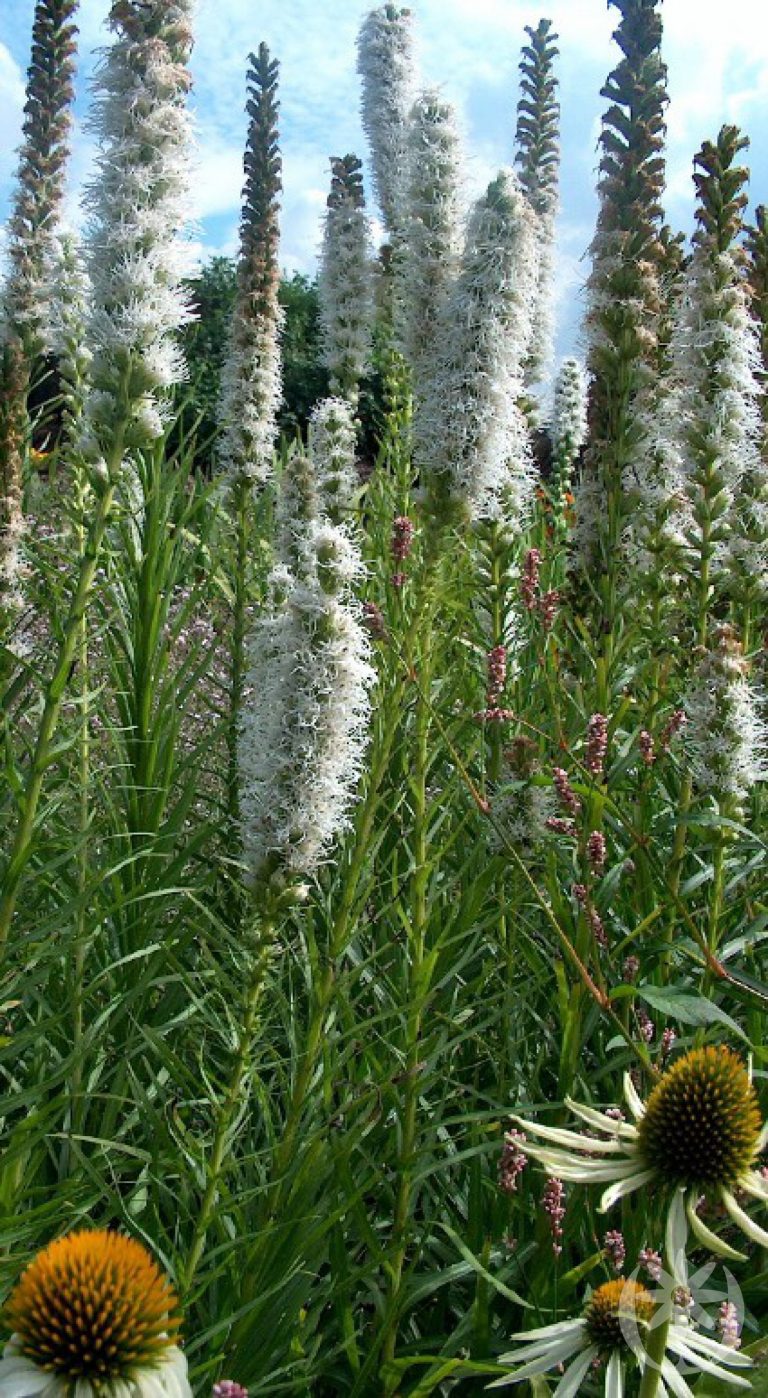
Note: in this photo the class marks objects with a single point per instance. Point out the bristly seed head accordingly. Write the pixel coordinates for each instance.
(702, 1121)
(94, 1306)
(611, 1304)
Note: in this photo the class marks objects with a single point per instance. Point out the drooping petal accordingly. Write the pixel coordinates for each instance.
(746, 1224)
(623, 1187)
(572, 1140)
(675, 1380)
(624, 1129)
(677, 1236)
(754, 1184)
(546, 1332)
(633, 1099)
(706, 1236)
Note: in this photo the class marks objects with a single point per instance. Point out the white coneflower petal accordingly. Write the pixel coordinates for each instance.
(614, 1378)
(570, 1139)
(685, 1349)
(705, 1235)
(622, 1129)
(746, 1224)
(571, 1381)
(624, 1187)
(633, 1099)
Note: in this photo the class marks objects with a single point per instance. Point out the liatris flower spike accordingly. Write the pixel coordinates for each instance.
(93, 1314)
(612, 1330)
(699, 1132)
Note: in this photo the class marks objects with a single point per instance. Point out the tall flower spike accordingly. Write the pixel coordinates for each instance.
(346, 281)
(470, 434)
(93, 1314)
(332, 450)
(386, 66)
(137, 202)
(710, 424)
(69, 300)
(569, 427)
(432, 245)
(31, 228)
(305, 725)
(725, 735)
(297, 511)
(624, 283)
(251, 382)
(537, 159)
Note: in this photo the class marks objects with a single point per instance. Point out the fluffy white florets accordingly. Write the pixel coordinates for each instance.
(305, 720)
(386, 66)
(470, 429)
(138, 202)
(726, 738)
(332, 440)
(432, 245)
(251, 393)
(346, 296)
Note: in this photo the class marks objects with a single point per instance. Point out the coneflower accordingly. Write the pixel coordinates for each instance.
(470, 435)
(430, 256)
(332, 451)
(346, 281)
(251, 380)
(304, 725)
(386, 67)
(31, 229)
(537, 158)
(93, 1314)
(137, 202)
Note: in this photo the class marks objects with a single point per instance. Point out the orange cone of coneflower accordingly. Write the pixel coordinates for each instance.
(93, 1314)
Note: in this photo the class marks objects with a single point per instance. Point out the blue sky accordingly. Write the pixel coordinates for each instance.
(716, 50)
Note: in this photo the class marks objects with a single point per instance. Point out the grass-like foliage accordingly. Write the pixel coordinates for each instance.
(362, 830)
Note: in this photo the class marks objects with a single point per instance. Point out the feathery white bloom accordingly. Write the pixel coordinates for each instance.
(537, 159)
(137, 202)
(345, 282)
(332, 440)
(569, 410)
(725, 735)
(432, 243)
(698, 1132)
(296, 512)
(469, 429)
(569, 425)
(69, 299)
(711, 428)
(305, 719)
(251, 381)
(386, 66)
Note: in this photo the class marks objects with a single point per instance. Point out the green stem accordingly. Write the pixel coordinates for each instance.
(24, 838)
(229, 1104)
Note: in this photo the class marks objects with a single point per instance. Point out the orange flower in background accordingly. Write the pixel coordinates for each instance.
(94, 1310)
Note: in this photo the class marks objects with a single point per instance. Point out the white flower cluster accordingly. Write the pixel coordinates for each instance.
(569, 424)
(332, 439)
(725, 735)
(432, 244)
(305, 720)
(296, 510)
(346, 289)
(711, 428)
(251, 393)
(137, 202)
(470, 429)
(386, 66)
(69, 297)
